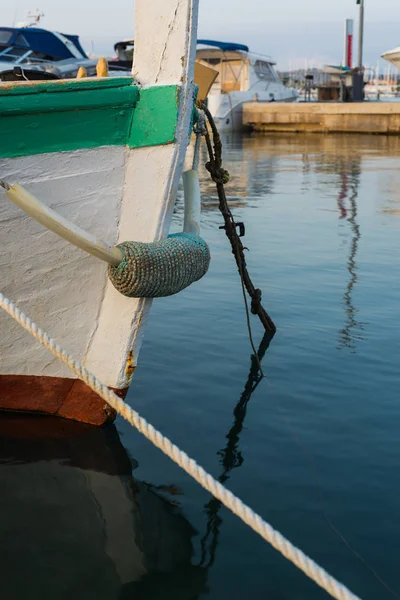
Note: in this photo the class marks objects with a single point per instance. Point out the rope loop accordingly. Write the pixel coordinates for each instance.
(218, 174)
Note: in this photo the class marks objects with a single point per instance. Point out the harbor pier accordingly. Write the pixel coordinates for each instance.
(323, 117)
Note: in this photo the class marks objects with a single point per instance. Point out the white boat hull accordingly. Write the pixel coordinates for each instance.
(229, 119)
(121, 191)
(227, 108)
(65, 291)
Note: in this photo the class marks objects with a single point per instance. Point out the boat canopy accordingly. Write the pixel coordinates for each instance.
(225, 46)
(40, 40)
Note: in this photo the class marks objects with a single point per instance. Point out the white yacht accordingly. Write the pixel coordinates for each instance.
(242, 77)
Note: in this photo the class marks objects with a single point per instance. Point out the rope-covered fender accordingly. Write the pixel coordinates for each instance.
(152, 270)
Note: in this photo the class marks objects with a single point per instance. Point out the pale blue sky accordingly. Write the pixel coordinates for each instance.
(290, 30)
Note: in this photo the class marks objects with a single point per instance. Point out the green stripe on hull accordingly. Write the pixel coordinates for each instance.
(72, 115)
(154, 119)
(64, 85)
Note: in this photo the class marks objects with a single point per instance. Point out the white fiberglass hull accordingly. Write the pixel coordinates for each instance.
(227, 109)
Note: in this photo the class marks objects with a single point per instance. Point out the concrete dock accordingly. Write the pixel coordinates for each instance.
(323, 117)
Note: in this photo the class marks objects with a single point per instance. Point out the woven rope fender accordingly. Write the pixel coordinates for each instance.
(164, 268)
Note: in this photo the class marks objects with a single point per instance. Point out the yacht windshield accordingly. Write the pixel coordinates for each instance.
(21, 55)
(264, 71)
(12, 54)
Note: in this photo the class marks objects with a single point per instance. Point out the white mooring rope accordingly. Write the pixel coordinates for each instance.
(245, 513)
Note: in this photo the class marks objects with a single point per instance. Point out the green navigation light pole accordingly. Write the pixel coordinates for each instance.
(361, 35)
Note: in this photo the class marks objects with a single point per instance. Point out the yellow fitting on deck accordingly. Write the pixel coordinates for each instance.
(102, 68)
(81, 73)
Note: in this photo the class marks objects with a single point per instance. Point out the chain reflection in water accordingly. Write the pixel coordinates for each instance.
(231, 456)
(350, 174)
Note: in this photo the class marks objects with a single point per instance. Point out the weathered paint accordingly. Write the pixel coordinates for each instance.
(152, 174)
(58, 285)
(130, 365)
(27, 88)
(171, 25)
(56, 116)
(116, 193)
(59, 396)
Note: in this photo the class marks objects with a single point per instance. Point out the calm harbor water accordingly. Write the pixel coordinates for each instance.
(315, 444)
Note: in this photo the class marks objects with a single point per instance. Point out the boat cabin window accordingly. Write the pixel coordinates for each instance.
(124, 50)
(5, 36)
(231, 75)
(231, 67)
(263, 71)
(21, 41)
(212, 61)
(22, 56)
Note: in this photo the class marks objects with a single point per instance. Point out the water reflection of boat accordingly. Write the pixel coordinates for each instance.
(251, 166)
(347, 167)
(319, 147)
(77, 524)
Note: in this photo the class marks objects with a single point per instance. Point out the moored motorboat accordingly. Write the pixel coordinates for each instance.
(44, 54)
(243, 77)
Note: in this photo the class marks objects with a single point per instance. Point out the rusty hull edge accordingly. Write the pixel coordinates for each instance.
(57, 396)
